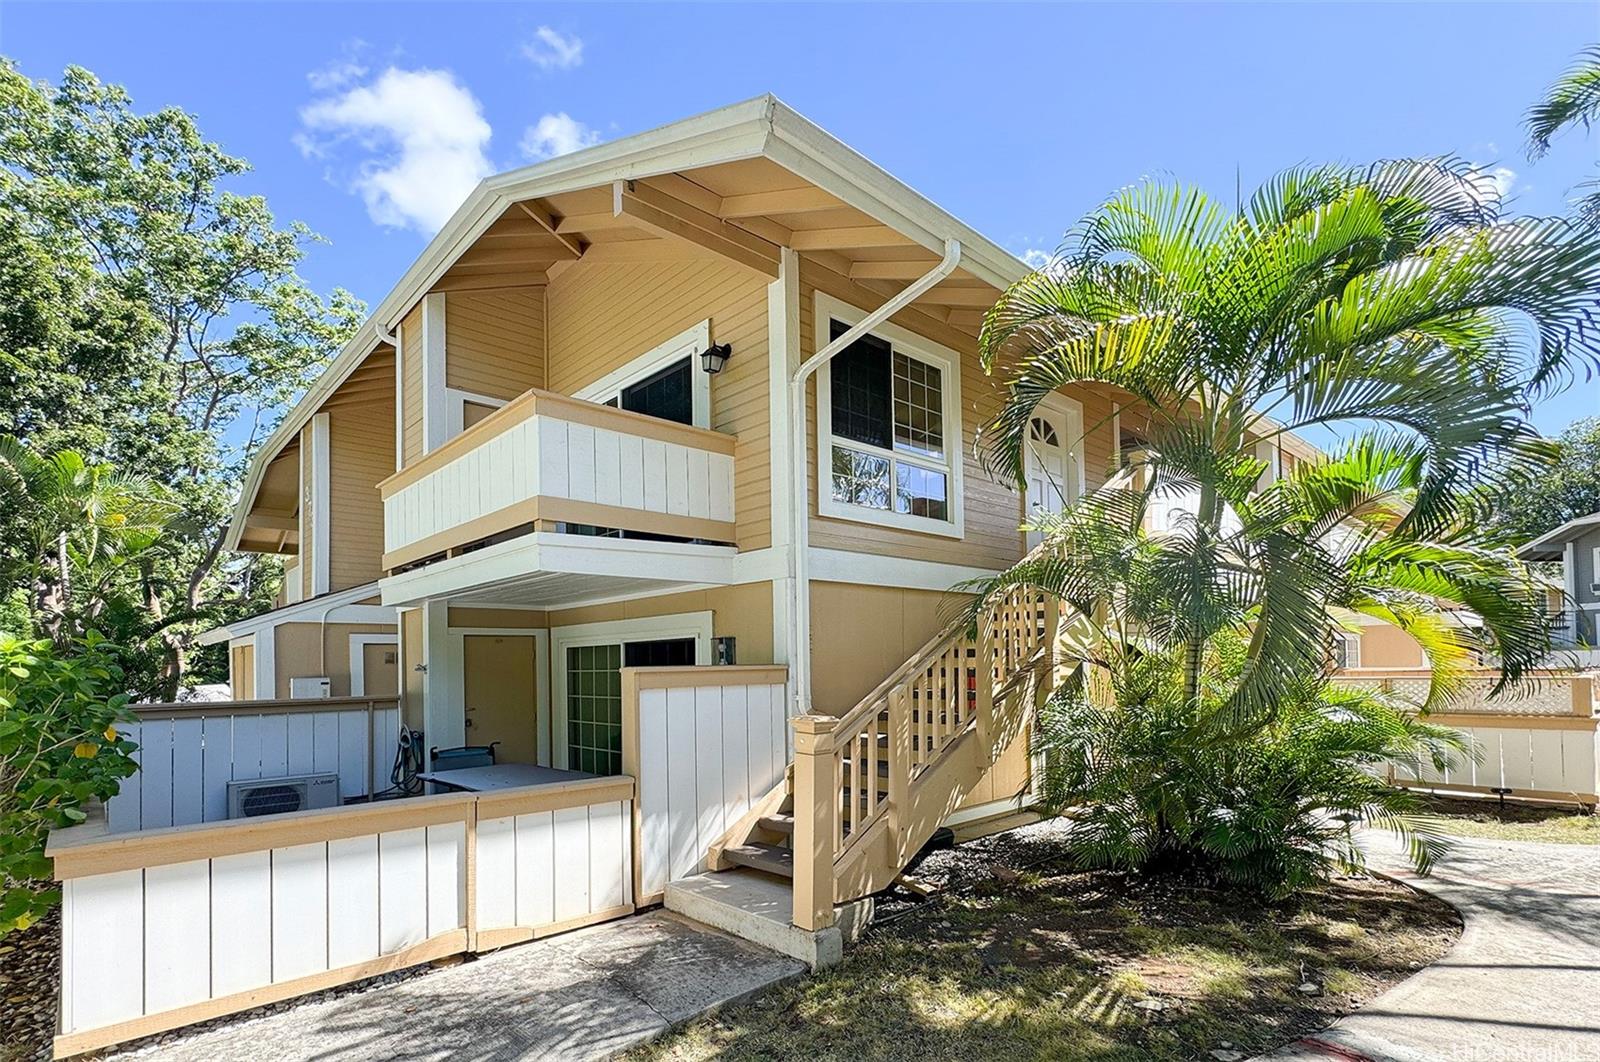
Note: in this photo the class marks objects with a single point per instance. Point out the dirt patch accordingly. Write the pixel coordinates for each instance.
(1020, 955)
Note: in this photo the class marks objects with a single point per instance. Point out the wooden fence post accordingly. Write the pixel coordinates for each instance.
(816, 808)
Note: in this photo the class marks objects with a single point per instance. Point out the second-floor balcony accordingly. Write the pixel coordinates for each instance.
(549, 464)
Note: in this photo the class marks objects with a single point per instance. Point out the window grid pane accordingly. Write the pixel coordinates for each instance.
(920, 492)
(594, 708)
(918, 407)
(860, 479)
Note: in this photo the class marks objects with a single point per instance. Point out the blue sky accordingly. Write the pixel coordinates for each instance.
(1017, 118)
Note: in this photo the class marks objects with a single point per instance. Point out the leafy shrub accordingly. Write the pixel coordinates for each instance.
(59, 749)
(1156, 787)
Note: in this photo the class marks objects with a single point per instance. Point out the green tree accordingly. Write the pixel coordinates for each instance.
(80, 535)
(1567, 489)
(59, 749)
(152, 318)
(1390, 304)
(1574, 99)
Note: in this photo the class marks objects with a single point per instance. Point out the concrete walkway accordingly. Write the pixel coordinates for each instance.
(582, 995)
(1522, 984)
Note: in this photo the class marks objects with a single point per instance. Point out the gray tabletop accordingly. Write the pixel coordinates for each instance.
(500, 776)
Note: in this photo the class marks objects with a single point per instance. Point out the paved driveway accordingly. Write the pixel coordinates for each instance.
(1522, 984)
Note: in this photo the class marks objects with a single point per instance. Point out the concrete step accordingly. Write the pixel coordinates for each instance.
(759, 908)
(768, 858)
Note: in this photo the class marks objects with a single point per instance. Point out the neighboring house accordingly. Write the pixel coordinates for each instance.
(1575, 546)
(1540, 741)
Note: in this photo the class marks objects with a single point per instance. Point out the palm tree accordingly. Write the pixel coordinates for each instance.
(72, 528)
(1574, 99)
(1391, 304)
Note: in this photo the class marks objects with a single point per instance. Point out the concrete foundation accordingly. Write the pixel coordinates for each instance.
(758, 908)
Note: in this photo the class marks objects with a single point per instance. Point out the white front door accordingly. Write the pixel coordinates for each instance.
(1051, 465)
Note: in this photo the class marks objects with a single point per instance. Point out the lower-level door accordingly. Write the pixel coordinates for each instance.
(594, 696)
(500, 695)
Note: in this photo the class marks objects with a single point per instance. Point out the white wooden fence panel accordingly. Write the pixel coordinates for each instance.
(706, 754)
(352, 901)
(102, 942)
(536, 872)
(241, 939)
(572, 867)
(185, 763)
(299, 910)
(402, 888)
(610, 861)
(447, 876)
(496, 872)
(177, 923)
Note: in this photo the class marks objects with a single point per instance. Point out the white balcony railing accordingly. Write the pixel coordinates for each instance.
(546, 461)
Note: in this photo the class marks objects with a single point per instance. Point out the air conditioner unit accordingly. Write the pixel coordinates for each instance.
(309, 687)
(273, 796)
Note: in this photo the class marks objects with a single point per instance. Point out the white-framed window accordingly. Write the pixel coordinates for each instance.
(463, 409)
(664, 381)
(888, 426)
(1346, 650)
(1594, 569)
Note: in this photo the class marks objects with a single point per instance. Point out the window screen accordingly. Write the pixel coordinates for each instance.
(666, 394)
(860, 390)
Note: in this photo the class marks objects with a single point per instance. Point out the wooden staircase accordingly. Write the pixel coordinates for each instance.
(867, 789)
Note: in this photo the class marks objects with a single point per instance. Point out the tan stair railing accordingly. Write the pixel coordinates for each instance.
(871, 786)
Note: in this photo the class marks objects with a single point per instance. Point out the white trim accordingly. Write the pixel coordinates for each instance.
(443, 715)
(690, 343)
(294, 590)
(993, 809)
(321, 502)
(1569, 568)
(870, 569)
(358, 659)
(308, 611)
(696, 625)
(1594, 569)
(1560, 532)
(455, 408)
(435, 420)
(543, 741)
(266, 683)
(828, 309)
(399, 398)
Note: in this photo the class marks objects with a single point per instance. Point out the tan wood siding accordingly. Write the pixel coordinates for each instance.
(494, 341)
(411, 384)
(743, 612)
(1385, 645)
(244, 671)
(603, 316)
(992, 512)
(361, 454)
(299, 655)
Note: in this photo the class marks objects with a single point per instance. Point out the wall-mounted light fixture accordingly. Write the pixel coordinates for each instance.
(714, 357)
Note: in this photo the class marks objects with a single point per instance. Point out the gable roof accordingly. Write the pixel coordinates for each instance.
(1548, 546)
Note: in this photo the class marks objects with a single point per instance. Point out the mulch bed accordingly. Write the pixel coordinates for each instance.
(30, 966)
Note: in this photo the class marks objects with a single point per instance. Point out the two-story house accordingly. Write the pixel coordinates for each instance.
(708, 394)
(1575, 546)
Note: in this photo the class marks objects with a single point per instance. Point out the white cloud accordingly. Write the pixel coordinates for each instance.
(1496, 181)
(550, 50)
(557, 134)
(1035, 258)
(424, 137)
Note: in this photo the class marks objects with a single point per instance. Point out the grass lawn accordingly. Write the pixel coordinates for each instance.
(1056, 964)
(1557, 824)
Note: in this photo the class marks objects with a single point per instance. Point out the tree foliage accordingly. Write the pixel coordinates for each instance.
(1567, 489)
(1390, 304)
(150, 317)
(59, 749)
(1573, 99)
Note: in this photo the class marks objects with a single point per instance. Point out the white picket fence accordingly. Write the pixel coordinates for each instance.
(169, 927)
(188, 753)
(705, 744)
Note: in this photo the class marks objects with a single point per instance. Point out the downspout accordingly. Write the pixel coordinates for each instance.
(800, 509)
